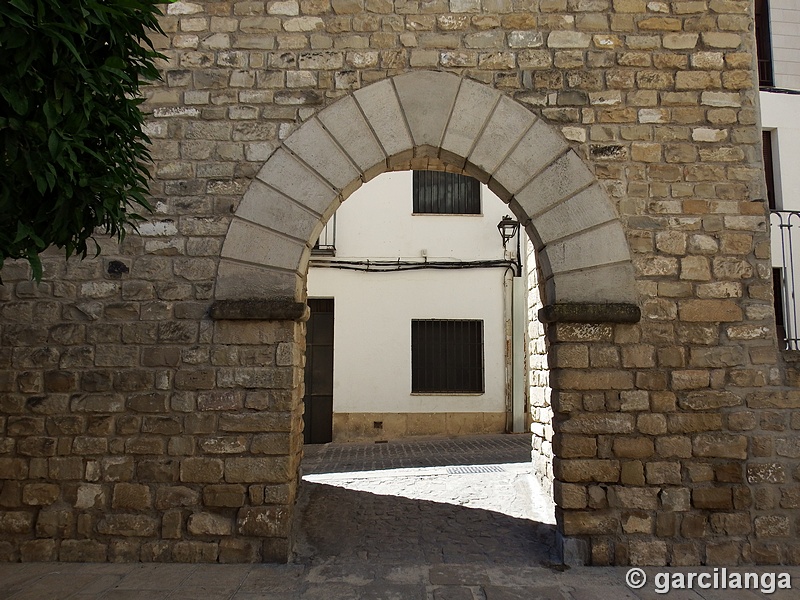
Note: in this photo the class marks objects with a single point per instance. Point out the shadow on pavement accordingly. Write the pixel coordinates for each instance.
(345, 526)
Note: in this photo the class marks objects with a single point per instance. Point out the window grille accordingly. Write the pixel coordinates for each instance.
(437, 192)
(447, 356)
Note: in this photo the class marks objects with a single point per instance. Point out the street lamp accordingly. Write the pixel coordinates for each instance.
(509, 228)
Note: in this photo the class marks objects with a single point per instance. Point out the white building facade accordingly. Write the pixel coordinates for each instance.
(415, 332)
(778, 37)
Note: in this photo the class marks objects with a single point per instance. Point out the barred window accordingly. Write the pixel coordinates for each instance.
(437, 192)
(446, 356)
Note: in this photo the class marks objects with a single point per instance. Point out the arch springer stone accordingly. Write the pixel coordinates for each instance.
(260, 309)
(588, 312)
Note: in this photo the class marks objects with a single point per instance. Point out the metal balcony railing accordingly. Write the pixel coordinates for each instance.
(785, 229)
(326, 244)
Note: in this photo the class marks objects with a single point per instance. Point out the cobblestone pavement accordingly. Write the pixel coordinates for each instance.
(447, 534)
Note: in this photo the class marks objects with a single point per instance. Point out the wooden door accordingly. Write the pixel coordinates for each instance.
(318, 397)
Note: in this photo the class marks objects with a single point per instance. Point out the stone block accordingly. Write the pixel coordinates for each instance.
(82, 551)
(195, 552)
(717, 498)
(605, 282)
(238, 551)
(586, 470)
(319, 152)
(584, 210)
(633, 447)
(640, 498)
(601, 423)
(201, 470)
(232, 495)
(254, 470)
(590, 523)
(719, 445)
(268, 207)
(263, 521)
(251, 243)
(128, 525)
(210, 524)
(426, 98)
(16, 522)
(660, 473)
(38, 551)
(474, 104)
(176, 496)
(132, 496)
(383, 112)
(40, 494)
(560, 180)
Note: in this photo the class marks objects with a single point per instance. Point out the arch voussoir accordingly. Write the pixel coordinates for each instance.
(346, 124)
(474, 104)
(312, 144)
(507, 124)
(384, 114)
(562, 178)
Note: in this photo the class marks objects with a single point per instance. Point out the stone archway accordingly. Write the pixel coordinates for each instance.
(428, 120)
(408, 120)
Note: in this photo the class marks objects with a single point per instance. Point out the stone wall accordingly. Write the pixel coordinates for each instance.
(540, 411)
(135, 427)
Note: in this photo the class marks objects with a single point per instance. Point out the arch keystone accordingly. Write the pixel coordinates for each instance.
(427, 97)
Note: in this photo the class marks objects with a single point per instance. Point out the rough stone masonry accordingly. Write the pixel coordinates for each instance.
(138, 424)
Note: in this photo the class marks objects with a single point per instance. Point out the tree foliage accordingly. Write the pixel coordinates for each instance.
(72, 147)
